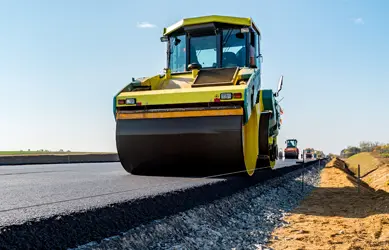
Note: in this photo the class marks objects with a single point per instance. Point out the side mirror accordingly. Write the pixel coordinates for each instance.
(164, 39)
(280, 83)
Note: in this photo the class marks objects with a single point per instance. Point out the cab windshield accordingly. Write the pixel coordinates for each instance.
(203, 50)
(291, 144)
(234, 48)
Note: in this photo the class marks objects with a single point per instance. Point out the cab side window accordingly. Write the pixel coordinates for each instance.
(257, 50)
(254, 50)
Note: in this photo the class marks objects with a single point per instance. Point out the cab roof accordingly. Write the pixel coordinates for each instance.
(238, 21)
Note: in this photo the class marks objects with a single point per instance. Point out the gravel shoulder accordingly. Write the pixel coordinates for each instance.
(244, 220)
(336, 216)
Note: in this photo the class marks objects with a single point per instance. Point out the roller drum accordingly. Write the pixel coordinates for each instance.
(181, 146)
(292, 154)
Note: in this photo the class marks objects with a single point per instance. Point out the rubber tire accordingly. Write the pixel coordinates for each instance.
(263, 144)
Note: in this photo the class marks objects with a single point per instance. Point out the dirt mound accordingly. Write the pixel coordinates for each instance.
(336, 216)
(379, 179)
(374, 171)
(335, 162)
(367, 162)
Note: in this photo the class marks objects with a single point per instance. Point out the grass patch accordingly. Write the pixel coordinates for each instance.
(25, 153)
(385, 155)
(366, 161)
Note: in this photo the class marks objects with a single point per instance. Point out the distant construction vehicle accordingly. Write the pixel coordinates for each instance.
(291, 151)
(319, 154)
(309, 152)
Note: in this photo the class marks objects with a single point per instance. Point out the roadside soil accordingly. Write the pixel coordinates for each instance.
(367, 162)
(374, 169)
(336, 216)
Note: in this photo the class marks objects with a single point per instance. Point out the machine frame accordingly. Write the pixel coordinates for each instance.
(147, 112)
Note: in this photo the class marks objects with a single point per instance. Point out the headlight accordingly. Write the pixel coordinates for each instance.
(130, 101)
(225, 96)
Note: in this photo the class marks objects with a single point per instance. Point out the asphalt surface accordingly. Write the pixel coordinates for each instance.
(39, 191)
(64, 206)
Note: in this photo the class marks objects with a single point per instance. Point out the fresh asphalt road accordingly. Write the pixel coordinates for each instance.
(39, 191)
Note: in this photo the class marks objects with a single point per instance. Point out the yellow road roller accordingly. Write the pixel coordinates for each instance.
(207, 112)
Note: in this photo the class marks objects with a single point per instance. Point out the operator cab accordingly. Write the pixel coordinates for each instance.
(291, 143)
(212, 46)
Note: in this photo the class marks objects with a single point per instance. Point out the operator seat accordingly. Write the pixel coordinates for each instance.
(193, 56)
(229, 60)
(240, 57)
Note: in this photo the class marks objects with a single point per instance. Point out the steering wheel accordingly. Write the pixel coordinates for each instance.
(194, 66)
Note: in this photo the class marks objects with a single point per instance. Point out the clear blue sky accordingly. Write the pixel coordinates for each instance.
(61, 62)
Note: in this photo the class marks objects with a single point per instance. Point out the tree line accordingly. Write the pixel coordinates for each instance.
(45, 150)
(366, 146)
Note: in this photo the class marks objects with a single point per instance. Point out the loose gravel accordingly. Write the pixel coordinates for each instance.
(244, 220)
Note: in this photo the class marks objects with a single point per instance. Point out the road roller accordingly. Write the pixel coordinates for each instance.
(309, 152)
(291, 150)
(206, 113)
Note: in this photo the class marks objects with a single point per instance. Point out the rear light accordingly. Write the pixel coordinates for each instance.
(237, 95)
(131, 101)
(121, 102)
